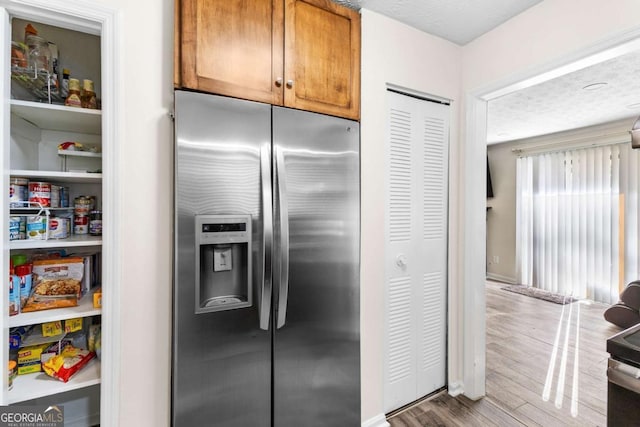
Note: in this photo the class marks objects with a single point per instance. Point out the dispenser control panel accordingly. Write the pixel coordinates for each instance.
(223, 262)
(212, 229)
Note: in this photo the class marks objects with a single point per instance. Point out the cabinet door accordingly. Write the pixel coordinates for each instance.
(322, 57)
(233, 47)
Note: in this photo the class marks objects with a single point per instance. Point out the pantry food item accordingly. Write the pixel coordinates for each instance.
(23, 279)
(40, 192)
(51, 329)
(14, 297)
(19, 54)
(12, 373)
(36, 227)
(57, 287)
(29, 358)
(61, 276)
(18, 192)
(73, 100)
(57, 284)
(88, 97)
(95, 223)
(67, 363)
(58, 228)
(97, 298)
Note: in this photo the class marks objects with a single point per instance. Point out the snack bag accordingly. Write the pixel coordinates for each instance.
(67, 363)
(57, 284)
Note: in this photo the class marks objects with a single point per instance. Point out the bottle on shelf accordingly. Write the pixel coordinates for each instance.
(88, 95)
(64, 88)
(73, 99)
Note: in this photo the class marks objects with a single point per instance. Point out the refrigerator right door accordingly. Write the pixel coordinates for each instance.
(316, 270)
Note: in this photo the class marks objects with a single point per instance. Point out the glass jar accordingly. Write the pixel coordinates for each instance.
(88, 95)
(73, 99)
(39, 53)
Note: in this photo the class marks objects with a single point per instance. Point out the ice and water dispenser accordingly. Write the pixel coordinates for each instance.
(223, 262)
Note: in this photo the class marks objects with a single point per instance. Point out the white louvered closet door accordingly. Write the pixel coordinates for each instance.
(415, 249)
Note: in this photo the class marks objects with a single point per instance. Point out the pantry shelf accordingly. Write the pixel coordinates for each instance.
(73, 153)
(59, 117)
(84, 309)
(71, 177)
(32, 386)
(73, 241)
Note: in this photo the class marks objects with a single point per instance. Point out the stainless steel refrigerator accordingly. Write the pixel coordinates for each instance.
(266, 319)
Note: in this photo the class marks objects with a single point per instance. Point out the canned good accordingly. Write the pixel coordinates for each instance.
(13, 372)
(18, 192)
(55, 196)
(14, 297)
(23, 280)
(37, 227)
(58, 228)
(80, 224)
(14, 228)
(95, 223)
(18, 259)
(82, 205)
(40, 192)
(64, 197)
(17, 228)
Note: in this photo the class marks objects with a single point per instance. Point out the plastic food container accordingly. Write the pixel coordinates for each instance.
(12, 372)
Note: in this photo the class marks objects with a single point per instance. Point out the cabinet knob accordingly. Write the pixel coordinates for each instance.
(279, 81)
(289, 84)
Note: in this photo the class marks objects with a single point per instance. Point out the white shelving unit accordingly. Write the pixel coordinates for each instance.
(72, 123)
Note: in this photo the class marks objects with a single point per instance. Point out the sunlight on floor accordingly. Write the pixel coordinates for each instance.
(564, 323)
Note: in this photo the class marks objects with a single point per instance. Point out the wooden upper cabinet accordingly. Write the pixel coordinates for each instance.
(233, 47)
(302, 54)
(322, 58)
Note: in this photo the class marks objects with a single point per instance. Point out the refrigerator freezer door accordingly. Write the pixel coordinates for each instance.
(221, 360)
(317, 348)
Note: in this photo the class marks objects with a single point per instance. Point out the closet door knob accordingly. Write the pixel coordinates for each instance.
(401, 261)
(279, 81)
(289, 84)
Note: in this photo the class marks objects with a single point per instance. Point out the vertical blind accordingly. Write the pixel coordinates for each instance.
(577, 221)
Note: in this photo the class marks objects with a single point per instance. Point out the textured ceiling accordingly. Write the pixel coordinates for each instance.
(563, 103)
(459, 21)
(554, 106)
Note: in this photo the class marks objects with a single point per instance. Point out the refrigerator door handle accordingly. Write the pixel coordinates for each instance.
(283, 290)
(267, 236)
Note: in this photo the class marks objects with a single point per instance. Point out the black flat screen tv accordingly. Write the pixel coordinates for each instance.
(489, 185)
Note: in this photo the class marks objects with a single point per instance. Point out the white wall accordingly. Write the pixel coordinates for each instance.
(146, 167)
(397, 54)
(501, 218)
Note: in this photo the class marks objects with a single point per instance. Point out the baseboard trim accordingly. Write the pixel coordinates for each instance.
(455, 388)
(378, 421)
(503, 279)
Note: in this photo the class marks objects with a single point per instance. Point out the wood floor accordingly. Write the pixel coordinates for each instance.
(521, 333)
